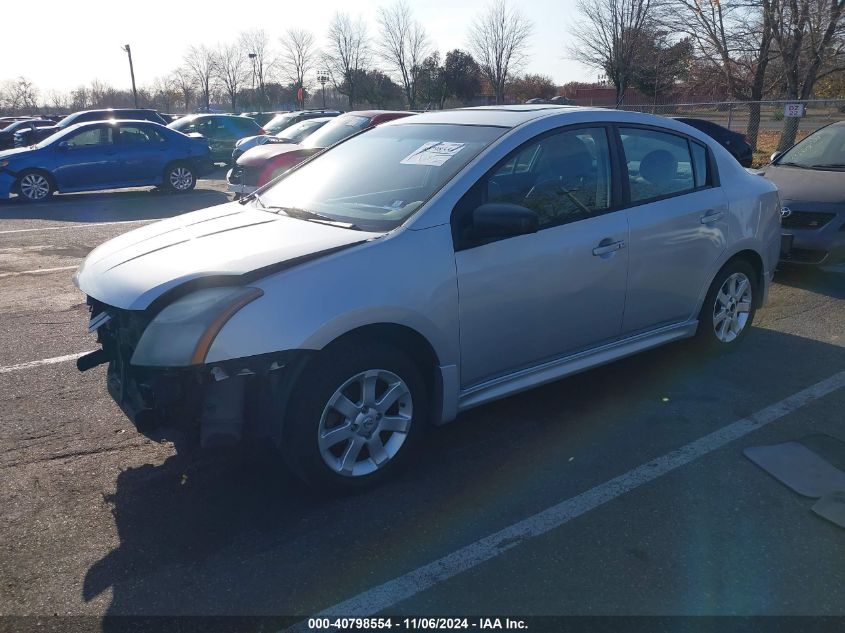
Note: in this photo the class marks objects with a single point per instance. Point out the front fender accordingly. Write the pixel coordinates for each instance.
(405, 278)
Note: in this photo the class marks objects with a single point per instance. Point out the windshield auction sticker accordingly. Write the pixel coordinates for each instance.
(433, 153)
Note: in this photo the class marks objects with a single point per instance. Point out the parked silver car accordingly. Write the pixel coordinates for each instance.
(424, 267)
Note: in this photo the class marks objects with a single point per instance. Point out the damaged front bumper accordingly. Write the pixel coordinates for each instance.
(210, 405)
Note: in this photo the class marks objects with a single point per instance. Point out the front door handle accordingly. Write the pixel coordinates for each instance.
(711, 216)
(606, 247)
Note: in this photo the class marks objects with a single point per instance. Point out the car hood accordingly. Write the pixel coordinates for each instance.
(16, 152)
(807, 185)
(262, 153)
(133, 270)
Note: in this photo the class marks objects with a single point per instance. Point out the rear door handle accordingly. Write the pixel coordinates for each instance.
(606, 247)
(711, 216)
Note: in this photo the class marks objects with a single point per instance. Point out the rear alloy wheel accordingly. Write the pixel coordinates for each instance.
(729, 308)
(180, 177)
(34, 186)
(357, 414)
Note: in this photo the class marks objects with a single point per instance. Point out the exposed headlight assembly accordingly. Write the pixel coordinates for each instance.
(182, 333)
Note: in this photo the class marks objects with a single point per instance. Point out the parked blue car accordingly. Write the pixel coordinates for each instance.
(104, 155)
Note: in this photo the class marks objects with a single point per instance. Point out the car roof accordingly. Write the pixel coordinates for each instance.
(508, 116)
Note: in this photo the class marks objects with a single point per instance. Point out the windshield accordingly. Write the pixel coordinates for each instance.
(69, 120)
(299, 131)
(822, 149)
(280, 122)
(55, 137)
(342, 127)
(378, 179)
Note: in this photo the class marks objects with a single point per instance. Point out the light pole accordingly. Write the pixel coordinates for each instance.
(252, 57)
(323, 78)
(131, 72)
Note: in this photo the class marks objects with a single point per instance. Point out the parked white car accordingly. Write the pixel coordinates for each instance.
(424, 267)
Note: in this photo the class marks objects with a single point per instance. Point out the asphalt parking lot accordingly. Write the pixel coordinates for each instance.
(97, 520)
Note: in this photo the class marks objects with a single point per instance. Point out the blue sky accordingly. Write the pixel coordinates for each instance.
(75, 43)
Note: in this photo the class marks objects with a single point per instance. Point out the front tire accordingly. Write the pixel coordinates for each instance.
(35, 186)
(179, 178)
(729, 307)
(356, 416)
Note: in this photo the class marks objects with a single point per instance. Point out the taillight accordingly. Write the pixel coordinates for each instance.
(261, 131)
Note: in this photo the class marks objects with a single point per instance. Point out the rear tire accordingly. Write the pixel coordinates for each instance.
(729, 307)
(34, 186)
(180, 178)
(356, 415)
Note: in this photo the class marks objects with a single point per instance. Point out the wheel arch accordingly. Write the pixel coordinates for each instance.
(755, 260)
(410, 341)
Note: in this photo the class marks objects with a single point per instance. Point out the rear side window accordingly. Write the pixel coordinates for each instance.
(243, 124)
(139, 135)
(700, 167)
(659, 164)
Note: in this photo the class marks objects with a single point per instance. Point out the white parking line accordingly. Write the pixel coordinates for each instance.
(77, 226)
(38, 271)
(43, 361)
(389, 594)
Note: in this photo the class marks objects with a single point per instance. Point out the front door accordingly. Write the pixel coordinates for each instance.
(87, 159)
(535, 297)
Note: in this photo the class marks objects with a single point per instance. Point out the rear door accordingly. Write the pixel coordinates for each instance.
(142, 153)
(678, 219)
(531, 298)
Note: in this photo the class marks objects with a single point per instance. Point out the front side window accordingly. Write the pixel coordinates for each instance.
(659, 163)
(563, 177)
(378, 179)
(90, 137)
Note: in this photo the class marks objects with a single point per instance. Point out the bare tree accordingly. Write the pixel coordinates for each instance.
(21, 94)
(499, 40)
(184, 82)
(808, 38)
(230, 68)
(735, 38)
(200, 64)
(403, 46)
(609, 36)
(299, 55)
(256, 47)
(346, 54)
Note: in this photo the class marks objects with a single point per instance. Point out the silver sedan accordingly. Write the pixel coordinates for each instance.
(427, 266)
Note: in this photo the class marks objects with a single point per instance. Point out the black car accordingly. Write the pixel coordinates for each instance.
(25, 138)
(734, 142)
(7, 133)
(221, 130)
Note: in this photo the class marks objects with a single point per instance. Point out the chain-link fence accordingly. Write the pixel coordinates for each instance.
(768, 126)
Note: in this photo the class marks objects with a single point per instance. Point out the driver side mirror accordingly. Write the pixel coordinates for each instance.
(775, 156)
(496, 220)
(64, 146)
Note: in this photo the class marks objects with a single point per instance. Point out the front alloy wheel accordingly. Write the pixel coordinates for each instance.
(732, 307)
(356, 414)
(35, 186)
(365, 423)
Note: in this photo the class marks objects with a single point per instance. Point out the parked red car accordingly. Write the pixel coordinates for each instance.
(259, 165)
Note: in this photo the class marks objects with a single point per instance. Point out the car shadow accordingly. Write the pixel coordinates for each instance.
(234, 536)
(825, 281)
(134, 204)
